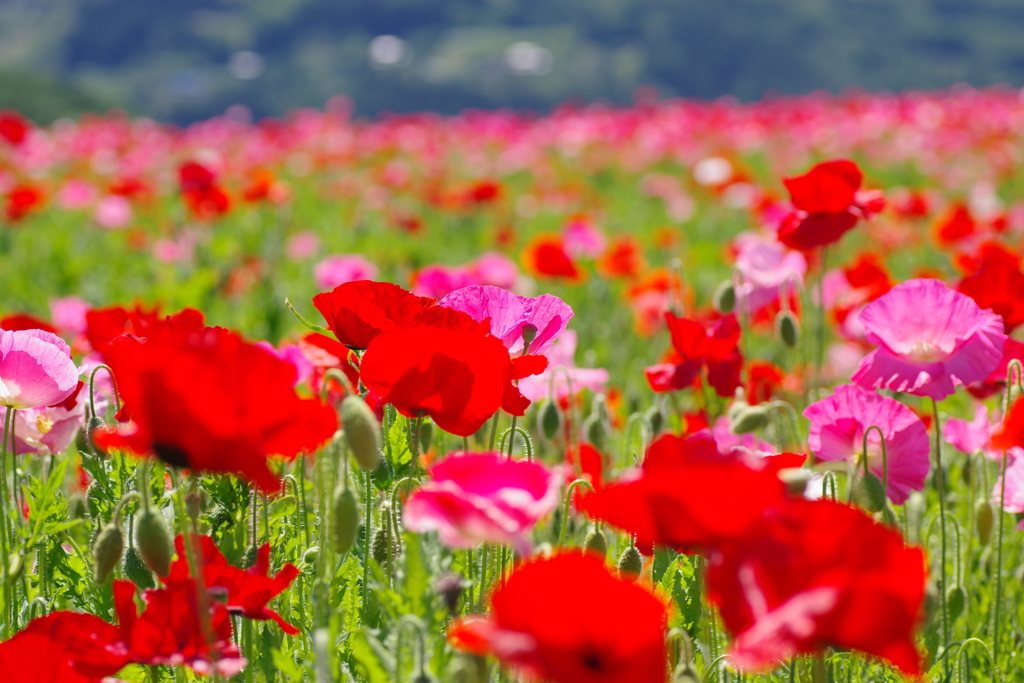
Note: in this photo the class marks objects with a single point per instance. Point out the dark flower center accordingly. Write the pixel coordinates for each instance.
(172, 455)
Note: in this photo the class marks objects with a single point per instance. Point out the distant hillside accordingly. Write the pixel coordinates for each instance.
(189, 59)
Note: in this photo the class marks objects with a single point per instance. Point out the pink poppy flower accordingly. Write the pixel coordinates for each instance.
(338, 269)
(68, 315)
(50, 430)
(974, 436)
(437, 281)
(837, 431)
(496, 269)
(728, 442)
(561, 362)
(113, 212)
(1014, 500)
(510, 315)
(583, 239)
(302, 245)
(476, 498)
(765, 265)
(36, 369)
(930, 339)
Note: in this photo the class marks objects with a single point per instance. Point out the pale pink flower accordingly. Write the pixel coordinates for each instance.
(838, 424)
(338, 269)
(51, 430)
(582, 239)
(1014, 496)
(36, 369)
(302, 245)
(930, 339)
(113, 212)
(474, 498)
(76, 194)
(974, 436)
(68, 315)
(561, 362)
(495, 269)
(175, 250)
(765, 265)
(510, 315)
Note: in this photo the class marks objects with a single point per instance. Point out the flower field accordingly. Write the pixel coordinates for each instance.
(678, 392)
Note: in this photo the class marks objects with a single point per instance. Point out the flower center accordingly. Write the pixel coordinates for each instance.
(926, 351)
(44, 424)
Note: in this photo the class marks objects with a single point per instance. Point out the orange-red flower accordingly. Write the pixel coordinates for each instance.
(358, 311)
(546, 256)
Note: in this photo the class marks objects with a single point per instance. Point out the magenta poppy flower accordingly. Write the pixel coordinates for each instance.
(974, 436)
(476, 498)
(337, 269)
(766, 265)
(930, 339)
(510, 315)
(837, 431)
(36, 369)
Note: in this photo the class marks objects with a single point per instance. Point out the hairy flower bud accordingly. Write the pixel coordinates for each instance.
(135, 569)
(344, 519)
(153, 540)
(724, 299)
(869, 493)
(685, 673)
(630, 564)
(984, 519)
(426, 436)
(15, 567)
(749, 418)
(549, 419)
(656, 419)
(249, 555)
(449, 587)
(956, 599)
(787, 328)
(362, 433)
(106, 552)
(596, 542)
(311, 555)
(220, 516)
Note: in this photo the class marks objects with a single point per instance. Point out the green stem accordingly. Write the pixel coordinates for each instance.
(940, 484)
(367, 540)
(494, 431)
(8, 585)
(999, 568)
(565, 506)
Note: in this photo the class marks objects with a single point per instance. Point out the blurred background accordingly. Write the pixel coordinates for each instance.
(190, 59)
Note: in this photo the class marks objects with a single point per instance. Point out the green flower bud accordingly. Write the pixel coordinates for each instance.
(248, 559)
(106, 552)
(311, 556)
(549, 419)
(426, 436)
(630, 563)
(749, 418)
(136, 571)
(869, 493)
(724, 299)
(984, 519)
(787, 328)
(362, 433)
(344, 519)
(596, 542)
(956, 599)
(685, 673)
(94, 498)
(153, 540)
(656, 419)
(15, 567)
(193, 505)
(91, 426)
(967, 470)
(597, 430)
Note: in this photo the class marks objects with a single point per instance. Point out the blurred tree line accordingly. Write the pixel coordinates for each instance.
(190, 59)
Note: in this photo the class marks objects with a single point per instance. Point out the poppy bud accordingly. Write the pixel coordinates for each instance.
(956, 598)
(77, 508)
(135, 569)
(787, 328)
(724, 298)
(597, 430)
(869, 493)
(748, 419)
(344, 519)
(15, 566)
(220, 516)
(967, 470)
(248, 559)
(312, 555)
(449, 587)
(984, 519)
(93, 499)
(529, 334)
(685, 673)
(362, 433)
(426, 436)
(656, 419)
(106, 552)
(796, 479)
(153, 540)
(596, 542)
(1013, 392)
(193, 505)
(549, 419)
(630, 563)
(91, 426)
(379, 547)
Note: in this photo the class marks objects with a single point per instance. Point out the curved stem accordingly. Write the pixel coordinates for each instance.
(92, 389)
(565, 506)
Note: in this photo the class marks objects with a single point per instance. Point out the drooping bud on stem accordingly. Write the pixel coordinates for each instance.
(596, 542)
(630, 564)
(106, 551)
(787, 328)
(724, 299)
(344, 519)
(362, 433)
(549, 419)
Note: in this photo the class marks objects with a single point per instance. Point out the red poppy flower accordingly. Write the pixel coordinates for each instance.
(623, 258)
(245, 592)
(325, 353)
(24, 321)
(764, 380)
(448, 366)
(169, 630)
(484, 191)
(103, 325)
(995, 281)
(23, 200)
(957, 224)
(62, 647)
(697, 349)
(687, 494)
(1010, 432)
(14, 127)
(569, 619)
(814, 574)
(210, 401)
(199, 188)
(828, 202)
(358, 311)
(546, 256)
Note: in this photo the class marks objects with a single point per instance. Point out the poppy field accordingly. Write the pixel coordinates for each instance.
(675, 392)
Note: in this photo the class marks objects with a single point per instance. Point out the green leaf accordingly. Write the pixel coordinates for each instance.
(283, 663)
(370, 655)
(417, 574)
